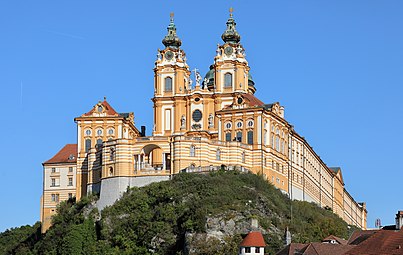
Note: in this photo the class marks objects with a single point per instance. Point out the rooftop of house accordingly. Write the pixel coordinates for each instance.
(68, 154)
(253, 239)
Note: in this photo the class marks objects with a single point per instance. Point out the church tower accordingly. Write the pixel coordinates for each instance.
(171, 84)
(230, 72)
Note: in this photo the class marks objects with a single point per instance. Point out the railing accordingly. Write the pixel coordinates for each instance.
(152, 138)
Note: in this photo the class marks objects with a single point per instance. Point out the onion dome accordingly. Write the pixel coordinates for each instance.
(209, 78)
(230, 35)
(171, 39)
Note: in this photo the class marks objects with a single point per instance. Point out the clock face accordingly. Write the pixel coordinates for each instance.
(228, 50)
(169, 55)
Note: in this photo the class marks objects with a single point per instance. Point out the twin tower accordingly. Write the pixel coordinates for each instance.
(181, 105)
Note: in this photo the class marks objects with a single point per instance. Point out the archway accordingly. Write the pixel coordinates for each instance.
(152, 158)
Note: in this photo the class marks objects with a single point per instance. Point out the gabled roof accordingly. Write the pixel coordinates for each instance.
(68, 154)
(326, 249)
(337, 172)
(380, 242)
(107, 109)
(253, 239)
(253, 101)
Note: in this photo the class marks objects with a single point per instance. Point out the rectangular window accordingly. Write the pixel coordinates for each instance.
(53, 169)
(257, 250)
(87, 145)
(247, 249)
(250, 137)
(70, 181)
(55, 197)
(70, 169)
(228, 137)
(53, 182)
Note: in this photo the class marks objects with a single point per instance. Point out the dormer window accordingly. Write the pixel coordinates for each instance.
(227, 80)
(168, 84)
(71, 157)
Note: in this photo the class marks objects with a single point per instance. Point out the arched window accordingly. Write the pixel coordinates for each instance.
(168, 84)
(277, 143)
(227, 80)
(277, 140)
(218, 155)
(192, 151)
(265, 138)
(87, 145)
(99, 143)
(110, 171)
(250, 137)
(228, 137)
(239, 136)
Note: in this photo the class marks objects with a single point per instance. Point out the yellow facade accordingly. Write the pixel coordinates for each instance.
(204, 125)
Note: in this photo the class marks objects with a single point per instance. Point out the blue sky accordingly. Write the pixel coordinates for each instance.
(336, 66)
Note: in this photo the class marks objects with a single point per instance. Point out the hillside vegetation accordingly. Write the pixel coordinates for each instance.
(190, 214)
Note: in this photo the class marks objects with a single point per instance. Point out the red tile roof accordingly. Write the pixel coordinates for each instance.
(64, 155)
(360, 235)
(107, 107)
(379, 243)
(253, 101)
(253, 239)
(326, 249)
(315, 249)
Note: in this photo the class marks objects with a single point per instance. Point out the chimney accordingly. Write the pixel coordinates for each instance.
(143, 131)
(399, 220)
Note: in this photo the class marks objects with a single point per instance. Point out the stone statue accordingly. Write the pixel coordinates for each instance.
(180, 55)
(183, 122)
(211, 120)
(218, 51)
(198, 78)
(159, 55)
(190, 84)
(205, 81)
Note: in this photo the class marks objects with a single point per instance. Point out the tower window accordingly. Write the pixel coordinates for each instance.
(227, 80)
(168, 84)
